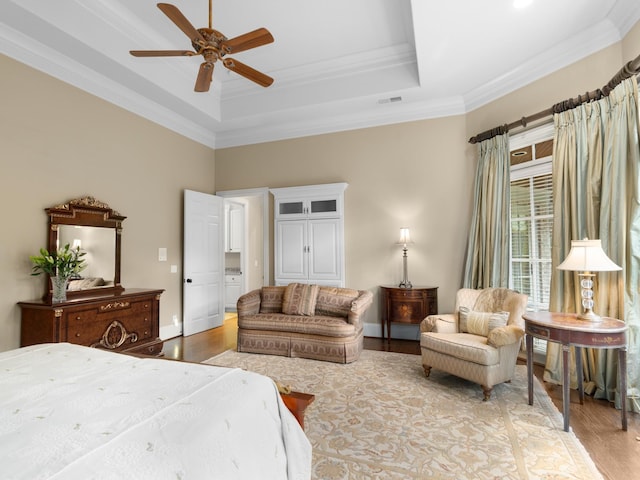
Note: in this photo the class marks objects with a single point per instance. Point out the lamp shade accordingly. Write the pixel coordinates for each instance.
(405, 236)
(587, 256)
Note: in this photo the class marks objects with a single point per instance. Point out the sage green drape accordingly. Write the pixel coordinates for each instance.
(596, 161)
(487, 261)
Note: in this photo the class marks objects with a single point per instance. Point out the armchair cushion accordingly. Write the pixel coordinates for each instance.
(481, 323)
(463, 346)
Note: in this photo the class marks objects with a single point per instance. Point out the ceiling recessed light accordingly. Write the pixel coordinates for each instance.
(522, 3)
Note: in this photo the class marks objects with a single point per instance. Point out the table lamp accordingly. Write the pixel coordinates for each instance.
(405, 239)
(586, 256)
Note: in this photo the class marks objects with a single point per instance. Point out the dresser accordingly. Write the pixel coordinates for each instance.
(407, 305)
(124, 322)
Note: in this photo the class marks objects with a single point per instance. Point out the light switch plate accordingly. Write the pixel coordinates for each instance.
(162, 254)
(174, 269)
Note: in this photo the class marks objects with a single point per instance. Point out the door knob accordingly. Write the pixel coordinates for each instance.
(188, 280)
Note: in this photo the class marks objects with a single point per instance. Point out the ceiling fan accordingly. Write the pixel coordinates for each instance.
(213, 46)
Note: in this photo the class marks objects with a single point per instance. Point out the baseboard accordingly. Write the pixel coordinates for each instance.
(171, 331)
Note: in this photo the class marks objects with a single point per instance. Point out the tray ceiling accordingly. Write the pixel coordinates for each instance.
(337, 64)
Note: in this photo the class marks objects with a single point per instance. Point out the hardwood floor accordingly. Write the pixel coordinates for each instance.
(596, 423)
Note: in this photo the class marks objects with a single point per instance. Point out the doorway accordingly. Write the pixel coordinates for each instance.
(255, 257)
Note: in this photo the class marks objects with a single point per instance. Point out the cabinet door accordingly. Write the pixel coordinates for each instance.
(291, 208)
(324, 249)
(236, 226)
(291, 242)
(325, 207)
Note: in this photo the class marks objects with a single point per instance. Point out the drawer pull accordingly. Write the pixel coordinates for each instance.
(113, 305)
(78, 335)
(78, 317)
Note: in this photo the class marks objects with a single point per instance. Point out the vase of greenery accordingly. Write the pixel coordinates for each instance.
(59, 266)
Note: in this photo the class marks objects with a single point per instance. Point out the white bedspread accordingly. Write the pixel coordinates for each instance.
(71, 412)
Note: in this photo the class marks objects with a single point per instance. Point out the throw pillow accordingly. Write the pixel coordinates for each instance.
(335, 302)
(271, 301)
(481, 323)
(299, 299)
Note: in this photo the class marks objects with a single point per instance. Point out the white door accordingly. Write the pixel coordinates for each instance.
(203, 282)
(291, 243)
(324, 249)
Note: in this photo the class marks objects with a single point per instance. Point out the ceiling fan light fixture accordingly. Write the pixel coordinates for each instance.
(213, 46)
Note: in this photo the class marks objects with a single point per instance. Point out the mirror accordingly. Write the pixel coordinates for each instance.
(97, 229)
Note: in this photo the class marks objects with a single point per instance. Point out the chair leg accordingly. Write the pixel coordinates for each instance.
(487, 392)
(427, 369)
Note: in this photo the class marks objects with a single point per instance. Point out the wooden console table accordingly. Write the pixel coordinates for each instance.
(407, 305)
(568, 330)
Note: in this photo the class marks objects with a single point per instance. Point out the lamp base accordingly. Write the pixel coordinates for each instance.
(590, 316)
(405, 284)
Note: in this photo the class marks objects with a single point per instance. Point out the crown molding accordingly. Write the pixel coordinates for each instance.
(343, 117)
(26, 50)
(565, 53)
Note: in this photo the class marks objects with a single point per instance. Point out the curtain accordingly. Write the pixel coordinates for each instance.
(596, 162)
(487, 260)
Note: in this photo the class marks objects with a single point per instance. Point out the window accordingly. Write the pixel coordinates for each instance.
(531, 225)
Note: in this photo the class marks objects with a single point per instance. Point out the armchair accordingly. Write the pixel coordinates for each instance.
(480, 340)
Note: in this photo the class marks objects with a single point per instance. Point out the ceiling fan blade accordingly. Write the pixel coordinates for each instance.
(162, 53)
(205, 75)
(247, 72)
(254, 39)
(181, 22)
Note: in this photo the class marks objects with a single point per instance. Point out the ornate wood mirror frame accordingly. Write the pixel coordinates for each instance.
(88, 212)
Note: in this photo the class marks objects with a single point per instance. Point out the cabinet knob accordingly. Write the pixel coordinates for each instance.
(77, 334)
(78, 318)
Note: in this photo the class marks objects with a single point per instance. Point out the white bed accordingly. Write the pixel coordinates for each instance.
(72, 412)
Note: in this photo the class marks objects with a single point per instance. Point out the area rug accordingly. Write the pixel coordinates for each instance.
(381, 418)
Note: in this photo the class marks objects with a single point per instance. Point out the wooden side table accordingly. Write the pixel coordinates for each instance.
(407, 305)
(568, 330)
(297, 403)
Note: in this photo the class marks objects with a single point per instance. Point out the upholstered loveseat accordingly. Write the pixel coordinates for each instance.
(300, 320)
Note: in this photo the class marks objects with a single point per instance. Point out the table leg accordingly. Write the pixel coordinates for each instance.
(579, 374)
(622, 371)
(565, 386)
(529, 343)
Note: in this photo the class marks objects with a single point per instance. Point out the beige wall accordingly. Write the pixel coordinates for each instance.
(59, 143)
(631, 44)
(413, 174)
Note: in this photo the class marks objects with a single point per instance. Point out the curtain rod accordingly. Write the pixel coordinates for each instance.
(630, 69)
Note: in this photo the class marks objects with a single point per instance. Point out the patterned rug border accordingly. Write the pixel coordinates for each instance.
(368, 469)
